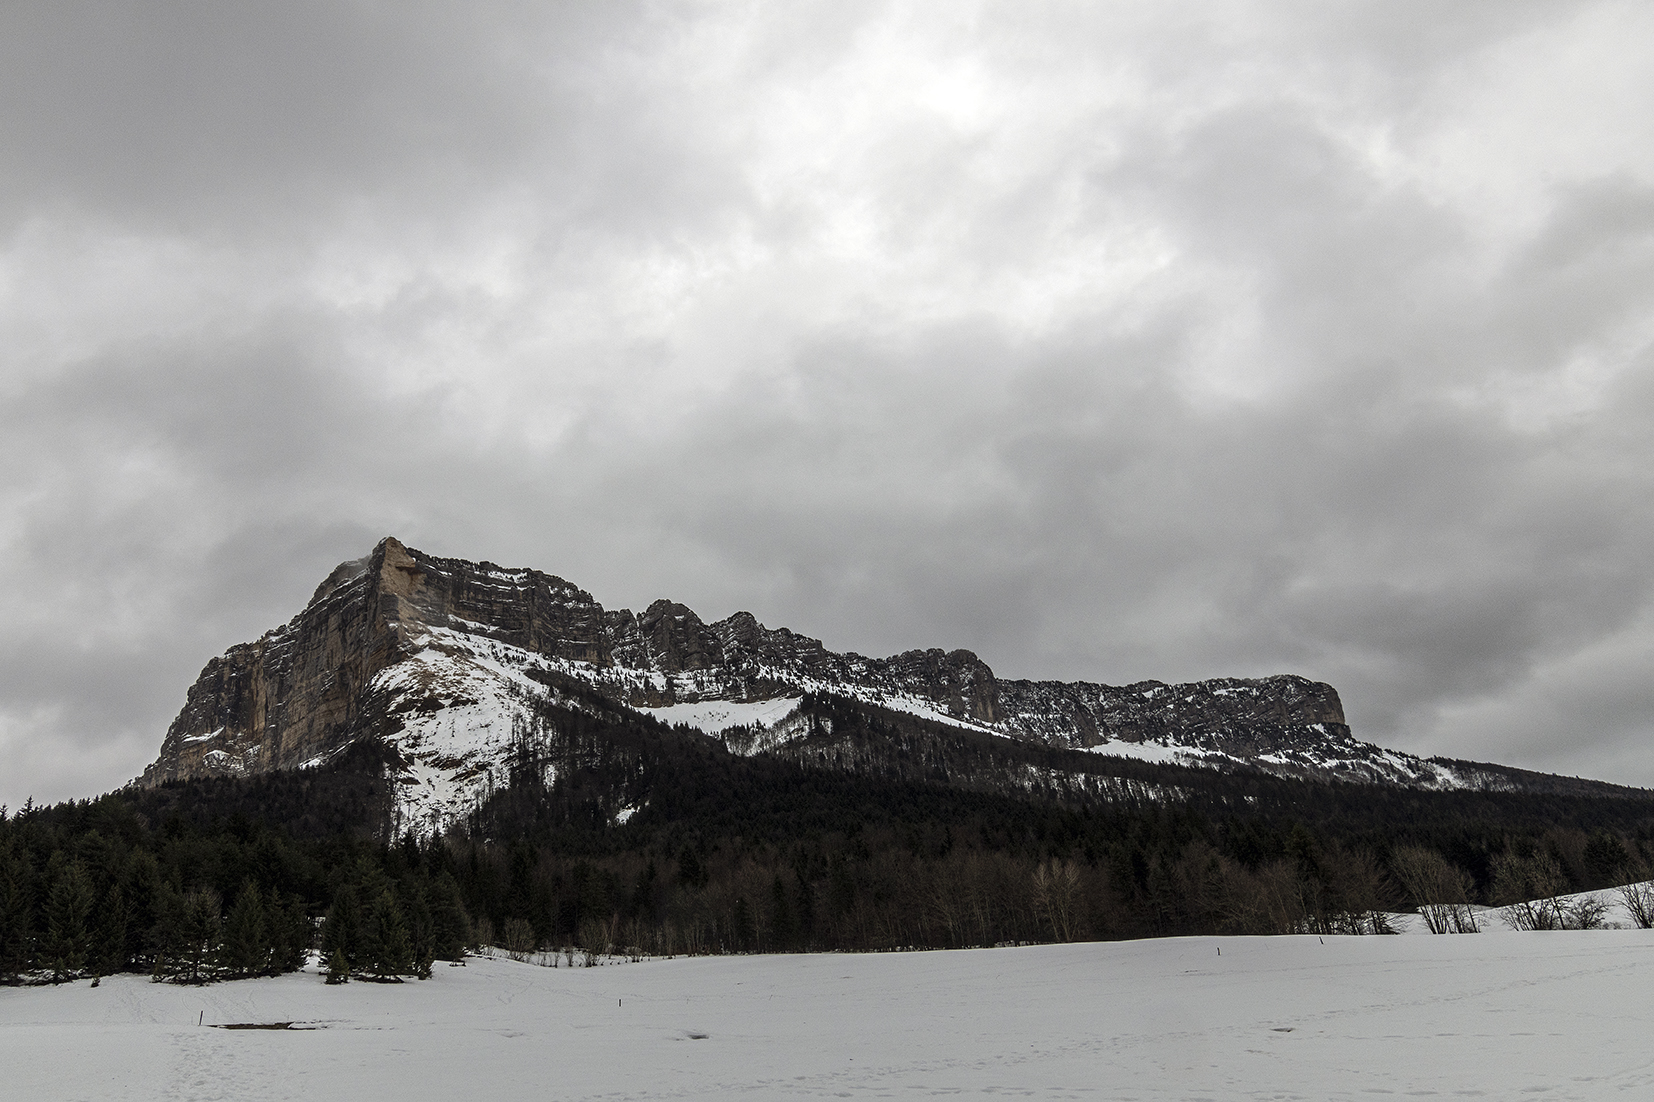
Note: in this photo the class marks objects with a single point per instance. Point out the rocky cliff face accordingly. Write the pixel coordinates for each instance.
(305, 690)
(450, 662)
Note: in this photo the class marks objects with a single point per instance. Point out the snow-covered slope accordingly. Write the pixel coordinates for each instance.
(1496, 1016)
(464, 705)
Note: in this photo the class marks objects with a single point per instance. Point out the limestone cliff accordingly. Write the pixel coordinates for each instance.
(302, 692)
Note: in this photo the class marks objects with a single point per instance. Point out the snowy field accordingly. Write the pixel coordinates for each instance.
(1498, 1015)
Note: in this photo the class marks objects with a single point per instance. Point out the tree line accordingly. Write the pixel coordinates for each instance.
(776, 858)
(91, 889)
(911, 841)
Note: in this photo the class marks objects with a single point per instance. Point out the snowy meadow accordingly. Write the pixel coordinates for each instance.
(1554, 1015)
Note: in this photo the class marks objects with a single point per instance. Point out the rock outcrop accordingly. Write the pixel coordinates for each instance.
(301, 692)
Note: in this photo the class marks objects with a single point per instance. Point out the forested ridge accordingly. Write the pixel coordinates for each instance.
(907, 838)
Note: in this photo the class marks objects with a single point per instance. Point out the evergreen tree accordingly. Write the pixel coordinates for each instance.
(201, 937)
(643, 904)
(369, 879)
(806, 908)
(109, 940)
(140, 885)
(369, 951)
(338, 966)
(342, 935)
(1605, 856)
(291, 933)
(450, 925)
(386, 946)
(166, 936)
(783, 922)
(421, 929)
(15, 948)
(68, 910)
(246, 935)
(691, 873)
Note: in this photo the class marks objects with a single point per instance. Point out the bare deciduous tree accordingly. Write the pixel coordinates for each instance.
(1528, 887)
(518, 938)
(1359, 888)
(1639, 901)
(1056, 891)
(1439, 888)
(597, 938)
(1586, 913)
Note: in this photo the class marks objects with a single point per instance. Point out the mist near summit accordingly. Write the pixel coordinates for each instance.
(1108, 342)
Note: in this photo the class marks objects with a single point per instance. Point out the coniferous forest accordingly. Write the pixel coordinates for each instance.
(212, 879)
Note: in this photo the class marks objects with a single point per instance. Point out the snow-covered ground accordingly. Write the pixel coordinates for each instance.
(717, 716)
(1497, 1016)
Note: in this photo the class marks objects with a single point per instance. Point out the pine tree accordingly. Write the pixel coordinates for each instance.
(342, 935)
(14, 910)
(246, 935)
(68, 908)
(291, 933)
(166, 936)
(201, 937)
(109, 940)
(421, 929)
(806, 908)
(1605, 856)
(369, 880)
(450, 925)
(388, 950)
(783, 922)
(140, 886)
(691, 873)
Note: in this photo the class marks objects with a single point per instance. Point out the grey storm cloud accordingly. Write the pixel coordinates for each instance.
(1108, 341)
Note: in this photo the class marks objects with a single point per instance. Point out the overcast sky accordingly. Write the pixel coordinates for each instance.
(1110, 341)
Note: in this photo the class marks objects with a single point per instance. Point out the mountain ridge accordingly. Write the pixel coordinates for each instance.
(460, 668)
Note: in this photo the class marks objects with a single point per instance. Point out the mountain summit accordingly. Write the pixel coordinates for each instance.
(454, 667)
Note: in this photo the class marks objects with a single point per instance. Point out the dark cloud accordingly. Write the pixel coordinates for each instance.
(1109, 344)
(175, 111)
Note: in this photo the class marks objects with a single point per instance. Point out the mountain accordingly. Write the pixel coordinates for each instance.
(470, 677)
